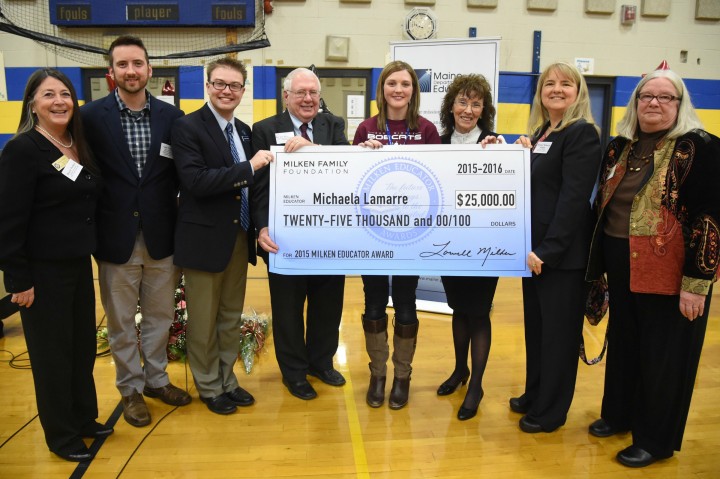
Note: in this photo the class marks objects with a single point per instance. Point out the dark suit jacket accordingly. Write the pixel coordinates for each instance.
(327, 129)
(210, 192)
(43, 214)
(129, 202)
(562, 182)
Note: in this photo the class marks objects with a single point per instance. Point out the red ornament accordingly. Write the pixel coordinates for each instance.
(267, 7)
(168, 89)
(663, 66)
(110, 82)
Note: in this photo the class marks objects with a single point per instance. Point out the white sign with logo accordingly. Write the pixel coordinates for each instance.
(438, 62)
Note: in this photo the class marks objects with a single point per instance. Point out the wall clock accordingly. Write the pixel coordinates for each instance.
(420, 24)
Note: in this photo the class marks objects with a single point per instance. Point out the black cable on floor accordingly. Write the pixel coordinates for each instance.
(18, 431)
(16, 361)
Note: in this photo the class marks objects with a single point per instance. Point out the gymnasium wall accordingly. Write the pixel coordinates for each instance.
(297, 30)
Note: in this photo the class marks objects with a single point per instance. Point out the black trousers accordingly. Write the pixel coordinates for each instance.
(652, 359)
(554, 305)
(377, 291)
(60, 335)
(296, 348)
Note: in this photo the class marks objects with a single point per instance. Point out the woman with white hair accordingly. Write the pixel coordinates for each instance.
(658, 240)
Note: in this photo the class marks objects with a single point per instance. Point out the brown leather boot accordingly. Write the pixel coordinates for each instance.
(376, 343)
(404, 342)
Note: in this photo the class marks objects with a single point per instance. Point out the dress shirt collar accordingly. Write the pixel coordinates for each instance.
(296, 125)
(221, 121)
(123, 107)
(468, 138)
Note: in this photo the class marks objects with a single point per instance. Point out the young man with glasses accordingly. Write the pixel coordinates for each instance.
(215, 236)
(299, 351)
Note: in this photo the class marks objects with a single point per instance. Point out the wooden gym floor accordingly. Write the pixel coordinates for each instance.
(338, 436)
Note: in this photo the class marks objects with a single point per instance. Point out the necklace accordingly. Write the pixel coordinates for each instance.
(641, 160)
(55, 139)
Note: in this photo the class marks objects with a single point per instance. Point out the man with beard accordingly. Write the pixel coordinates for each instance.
(129, 133)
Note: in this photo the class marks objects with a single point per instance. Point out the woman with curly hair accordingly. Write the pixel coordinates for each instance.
(467, 116)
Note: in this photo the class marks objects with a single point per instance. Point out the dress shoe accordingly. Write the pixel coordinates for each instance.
(530, 426)
(96, 430)
(135, 411)
(450, 386)
(600, 428)
(300, 389)
(169, 394)
(328, 376)
(465, 413)
(399, 393)
(240, 397)
(376, 391)
(634, 456)
(519, 405)
(79, 454)
(219, 404)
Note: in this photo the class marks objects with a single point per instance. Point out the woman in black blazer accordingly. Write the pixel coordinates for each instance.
(564, 167)
(48, 191)
(467, 115)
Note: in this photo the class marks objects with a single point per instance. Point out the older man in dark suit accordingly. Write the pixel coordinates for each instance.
(300, 352)
(129, 133)
(215, 237)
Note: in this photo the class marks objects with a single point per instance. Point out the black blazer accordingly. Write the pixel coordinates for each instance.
(43, 214)
(129, 202)
(210, 192)
(327, 129)
(445, 139)
(561, 184)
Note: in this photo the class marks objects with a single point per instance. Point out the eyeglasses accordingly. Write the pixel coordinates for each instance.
(476, 107)
(300, 94)
(647, 98)
(221, 85)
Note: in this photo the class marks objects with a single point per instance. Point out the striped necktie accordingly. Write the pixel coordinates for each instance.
(244, 210)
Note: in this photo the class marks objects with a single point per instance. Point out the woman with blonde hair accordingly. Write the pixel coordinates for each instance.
(565, 159)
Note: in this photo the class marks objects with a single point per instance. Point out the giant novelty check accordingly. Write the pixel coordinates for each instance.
(455, 210)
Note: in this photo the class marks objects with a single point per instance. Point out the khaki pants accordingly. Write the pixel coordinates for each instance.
(3, 293)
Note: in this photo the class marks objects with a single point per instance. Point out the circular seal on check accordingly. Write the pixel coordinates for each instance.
(399, 198)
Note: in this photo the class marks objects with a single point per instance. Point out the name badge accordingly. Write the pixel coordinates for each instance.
(282, 138)
(542, 147)
(60, 163)
(72, 170)
(166, 150)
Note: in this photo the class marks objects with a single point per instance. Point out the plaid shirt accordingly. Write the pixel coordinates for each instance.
(136, 126)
